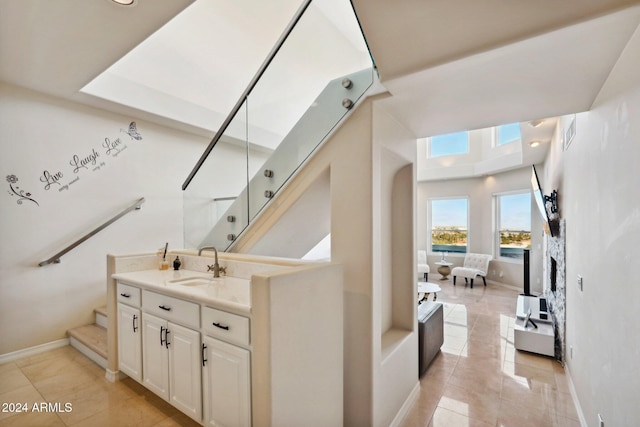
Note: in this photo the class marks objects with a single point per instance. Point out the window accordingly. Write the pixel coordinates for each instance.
(449, 144)
(514, 224)
(508, 133)
(449, 224)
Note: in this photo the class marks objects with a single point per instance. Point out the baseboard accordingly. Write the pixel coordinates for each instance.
(113, 376)
(32, 351)
(574, 397)
(406, 406)
(88, 352)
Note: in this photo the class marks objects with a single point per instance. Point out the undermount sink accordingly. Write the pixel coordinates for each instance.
(194, 281)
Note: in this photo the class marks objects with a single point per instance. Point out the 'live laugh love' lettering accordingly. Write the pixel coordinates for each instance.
(88, 161)
(78, 163)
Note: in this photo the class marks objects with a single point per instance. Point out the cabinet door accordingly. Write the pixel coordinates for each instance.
(129, 341)
(185, 381)
(227, 386)
(155, 356)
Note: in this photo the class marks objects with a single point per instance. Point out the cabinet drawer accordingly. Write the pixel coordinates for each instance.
(226, 326)
(183, 312)
(128, 294)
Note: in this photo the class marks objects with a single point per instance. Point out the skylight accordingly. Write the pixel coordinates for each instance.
(194, 69)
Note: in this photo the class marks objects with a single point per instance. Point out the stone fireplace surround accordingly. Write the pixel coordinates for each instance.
(554, 273)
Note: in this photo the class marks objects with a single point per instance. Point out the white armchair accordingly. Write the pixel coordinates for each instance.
(474, 265)
(423, 267)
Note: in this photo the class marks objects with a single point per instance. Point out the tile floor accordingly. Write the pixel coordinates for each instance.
(478, 379)
(65, 376)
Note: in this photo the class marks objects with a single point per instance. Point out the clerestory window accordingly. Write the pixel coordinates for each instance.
(449, 144)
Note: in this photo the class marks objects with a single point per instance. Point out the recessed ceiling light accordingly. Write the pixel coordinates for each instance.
(534, 144)
(124, 2)
(536, 123)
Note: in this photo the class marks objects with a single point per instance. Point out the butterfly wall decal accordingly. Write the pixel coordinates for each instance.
(132, 131)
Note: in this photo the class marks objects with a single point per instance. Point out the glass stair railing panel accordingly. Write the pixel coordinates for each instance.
(299, 98)
(213, 213)
(315, 74)
(324, 113)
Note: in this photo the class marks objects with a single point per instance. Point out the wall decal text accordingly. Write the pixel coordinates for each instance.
(78, 162)
(49, 179)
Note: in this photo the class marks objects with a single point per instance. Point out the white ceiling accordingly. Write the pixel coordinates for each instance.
(466, 64)
(57, 47)
(449, 65)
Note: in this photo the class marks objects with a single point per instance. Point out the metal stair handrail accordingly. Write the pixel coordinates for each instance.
(55, 259)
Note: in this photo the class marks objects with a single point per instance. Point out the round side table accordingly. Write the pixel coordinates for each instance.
(427, 288)
(444, 268)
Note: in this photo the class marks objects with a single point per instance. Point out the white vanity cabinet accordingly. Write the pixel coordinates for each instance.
(226, 372)
(235, 351)
(226, 378)
(171, 353)
(129, 334)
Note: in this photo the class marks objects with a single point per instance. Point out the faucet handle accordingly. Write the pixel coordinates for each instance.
(210, 267)
(223, 270)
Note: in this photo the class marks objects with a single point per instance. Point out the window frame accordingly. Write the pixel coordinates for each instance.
(430, 225)
(497, 222)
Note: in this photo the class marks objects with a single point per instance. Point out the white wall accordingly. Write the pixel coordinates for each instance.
(395, 340)
(365, 161)
(39, 133)
(481, 239)
(598, 180)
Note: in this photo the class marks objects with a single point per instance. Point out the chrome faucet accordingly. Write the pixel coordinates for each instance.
(215, 267)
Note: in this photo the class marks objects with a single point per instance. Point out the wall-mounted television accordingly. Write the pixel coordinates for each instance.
(540, 200)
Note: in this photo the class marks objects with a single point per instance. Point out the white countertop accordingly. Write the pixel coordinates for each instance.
(224, 292)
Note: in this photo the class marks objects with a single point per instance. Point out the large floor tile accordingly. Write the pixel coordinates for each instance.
(479, 378)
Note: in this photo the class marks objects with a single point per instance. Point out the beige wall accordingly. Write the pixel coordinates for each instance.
(37, 133)
(368, 165)
(598, 180)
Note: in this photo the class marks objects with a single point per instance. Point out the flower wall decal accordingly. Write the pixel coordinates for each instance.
(16, 191)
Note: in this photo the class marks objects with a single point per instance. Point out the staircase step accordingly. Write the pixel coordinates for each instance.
(90, 340)
(101, 316)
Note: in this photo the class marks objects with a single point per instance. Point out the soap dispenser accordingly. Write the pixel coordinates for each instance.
(176, 264)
